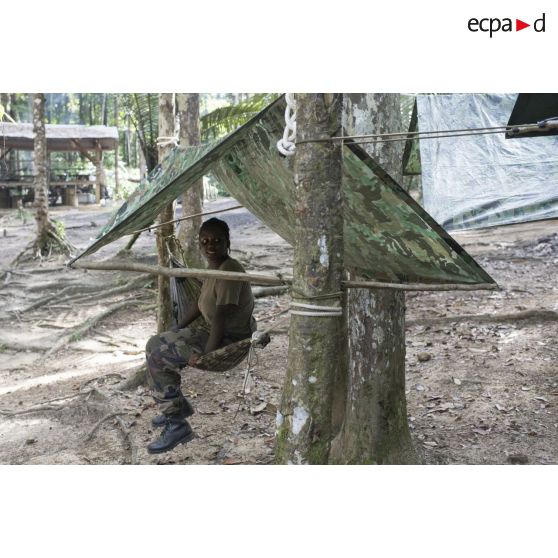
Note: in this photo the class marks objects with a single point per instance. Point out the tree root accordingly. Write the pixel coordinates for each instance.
(98, 424)
(52, 243)
(45, 300)
(538, 315)
(136, 378)
(45, 405)
(138, 283)
(126, 432)
(82, 329)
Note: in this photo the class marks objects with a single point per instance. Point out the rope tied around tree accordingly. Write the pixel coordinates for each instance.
(286, 145)
(166, 141)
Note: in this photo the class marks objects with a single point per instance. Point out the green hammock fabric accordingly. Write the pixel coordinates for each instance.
(388, 236)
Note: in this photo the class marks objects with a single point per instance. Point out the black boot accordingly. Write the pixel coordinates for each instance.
(177, 431)
(186, 409)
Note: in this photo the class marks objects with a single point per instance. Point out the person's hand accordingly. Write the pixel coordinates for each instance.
(194, 359)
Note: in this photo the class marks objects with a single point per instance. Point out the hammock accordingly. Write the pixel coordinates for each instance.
(184, 291)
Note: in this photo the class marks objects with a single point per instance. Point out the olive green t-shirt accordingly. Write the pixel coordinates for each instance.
(218, 292)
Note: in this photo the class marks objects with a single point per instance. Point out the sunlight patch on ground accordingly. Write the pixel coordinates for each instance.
(98, 360)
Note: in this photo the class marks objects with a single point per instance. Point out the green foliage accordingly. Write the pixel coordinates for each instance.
(59, 228)
(223, 120)
(406, 104)
(143, 110)
(125, 190)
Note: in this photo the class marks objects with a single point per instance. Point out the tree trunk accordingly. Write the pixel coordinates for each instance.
(104, 109)
(141, 160)
(375, 428)
(188, 106)
(166, 129)
(315, 343)
(100, 176)
(116, 151)
(5, 102)
(40, 183)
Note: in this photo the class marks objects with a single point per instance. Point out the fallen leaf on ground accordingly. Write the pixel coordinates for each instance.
(231, 461)
(258, 408)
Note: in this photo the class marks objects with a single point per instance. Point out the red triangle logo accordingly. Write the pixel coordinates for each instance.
(519, 25)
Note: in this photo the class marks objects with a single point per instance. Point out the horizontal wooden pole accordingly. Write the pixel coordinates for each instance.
(270, 279)
(421, 286)
(181, 272)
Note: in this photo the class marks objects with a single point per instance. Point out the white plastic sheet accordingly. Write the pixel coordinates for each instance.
(473, 182)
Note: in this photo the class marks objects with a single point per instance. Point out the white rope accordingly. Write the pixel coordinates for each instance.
(286, 144)
(316, 314)
(165, 141)
(315, 311)
(314, 307)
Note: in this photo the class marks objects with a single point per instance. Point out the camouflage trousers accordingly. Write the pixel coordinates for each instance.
(167, 354)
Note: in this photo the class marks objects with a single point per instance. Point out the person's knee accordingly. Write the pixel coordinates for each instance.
(153, 343)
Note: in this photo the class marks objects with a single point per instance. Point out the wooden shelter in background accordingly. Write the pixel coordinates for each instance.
(91, 141)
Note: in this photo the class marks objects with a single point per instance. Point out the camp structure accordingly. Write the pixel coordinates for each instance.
(388, 236)
(69, 184)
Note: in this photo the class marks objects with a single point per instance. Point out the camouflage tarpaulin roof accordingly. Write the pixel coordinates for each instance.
(388, 236)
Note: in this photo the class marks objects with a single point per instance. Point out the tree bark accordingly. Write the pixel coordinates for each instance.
(5, 102)
(375, 428)
(116, 151)
(188, 106)
(315, 343)
(100, 176)
(166, 129)
(40, 182)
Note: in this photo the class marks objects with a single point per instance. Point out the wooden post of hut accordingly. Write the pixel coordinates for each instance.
(70, 196)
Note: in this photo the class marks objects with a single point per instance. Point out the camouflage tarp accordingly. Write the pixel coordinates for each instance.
(388, 236)
(473, 182)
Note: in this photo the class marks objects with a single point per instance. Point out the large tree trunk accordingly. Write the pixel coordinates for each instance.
(116, 151)
(375, 428)
(5, 102)
(166, 129)
(188, 105)
(315, 343)
(40, 182)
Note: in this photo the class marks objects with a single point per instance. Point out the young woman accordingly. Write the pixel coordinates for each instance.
(227, 308)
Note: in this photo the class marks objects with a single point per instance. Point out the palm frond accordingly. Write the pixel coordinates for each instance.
(224, 120)
(144, 113)
(407, 103)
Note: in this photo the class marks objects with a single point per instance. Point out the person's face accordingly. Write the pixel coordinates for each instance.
(213, 245)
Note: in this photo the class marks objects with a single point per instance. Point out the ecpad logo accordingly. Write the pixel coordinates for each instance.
(492, 25)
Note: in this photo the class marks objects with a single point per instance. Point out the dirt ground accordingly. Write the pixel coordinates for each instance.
(482, 386)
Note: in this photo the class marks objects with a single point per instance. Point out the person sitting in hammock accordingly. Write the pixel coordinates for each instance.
(227, 308)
